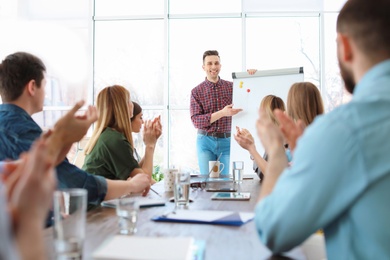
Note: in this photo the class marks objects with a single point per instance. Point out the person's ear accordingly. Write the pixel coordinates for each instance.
(346, 53)
(31, 87)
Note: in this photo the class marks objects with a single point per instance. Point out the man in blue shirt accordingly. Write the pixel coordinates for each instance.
(22, 89)
(27, 185)
(340, 175)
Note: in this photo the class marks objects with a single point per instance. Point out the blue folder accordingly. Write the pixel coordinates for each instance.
(229, 218)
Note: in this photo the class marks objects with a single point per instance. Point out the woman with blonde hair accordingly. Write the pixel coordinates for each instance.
(244, 138)
(304, 102)
(109, 152)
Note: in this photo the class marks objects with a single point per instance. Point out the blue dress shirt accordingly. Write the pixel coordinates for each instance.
(17, 133)
(339, 179)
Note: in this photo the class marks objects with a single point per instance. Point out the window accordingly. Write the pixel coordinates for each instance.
(334, 94)
(155, 47)
(284, 42)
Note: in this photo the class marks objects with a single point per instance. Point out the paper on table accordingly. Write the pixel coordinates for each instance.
(207, 217)
(131, 247)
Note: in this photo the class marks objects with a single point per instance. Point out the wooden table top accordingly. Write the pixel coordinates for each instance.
(222, 242)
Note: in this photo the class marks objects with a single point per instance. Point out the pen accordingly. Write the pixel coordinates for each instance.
(155, 191)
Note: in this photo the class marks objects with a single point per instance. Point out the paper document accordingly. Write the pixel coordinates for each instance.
(132, 247)
(229, 218)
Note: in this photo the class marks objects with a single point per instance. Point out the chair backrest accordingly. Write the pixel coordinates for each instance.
(80, 156)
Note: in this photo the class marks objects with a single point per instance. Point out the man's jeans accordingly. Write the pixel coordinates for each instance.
(209, 148)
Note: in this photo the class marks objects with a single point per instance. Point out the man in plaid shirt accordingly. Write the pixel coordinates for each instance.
(211, 113)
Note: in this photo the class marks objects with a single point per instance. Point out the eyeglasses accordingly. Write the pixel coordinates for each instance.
(198, 185)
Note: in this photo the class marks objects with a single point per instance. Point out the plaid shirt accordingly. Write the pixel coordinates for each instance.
(208, 98)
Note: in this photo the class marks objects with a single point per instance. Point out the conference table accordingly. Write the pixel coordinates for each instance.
(221, 242)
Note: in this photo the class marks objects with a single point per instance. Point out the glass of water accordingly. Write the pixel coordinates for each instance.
(70, 206)
(182, 189)
(127, 212)
(238, 171)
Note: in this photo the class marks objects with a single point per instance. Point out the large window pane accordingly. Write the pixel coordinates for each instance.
(8, 9)
(182, 148)
(334, 92)
(131, 53)
(54, 9)
(128, 7)
(188, 40)
(282, 5)
(333, 5)
(284, 42)
(62, 48)
(204, 6)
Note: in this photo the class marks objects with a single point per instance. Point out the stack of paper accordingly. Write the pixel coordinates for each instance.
(131, 247)
(229, 218)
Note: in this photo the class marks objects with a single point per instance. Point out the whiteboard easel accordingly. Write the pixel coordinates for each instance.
(248, 91)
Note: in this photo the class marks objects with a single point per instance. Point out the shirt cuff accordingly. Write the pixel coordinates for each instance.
(101, 184)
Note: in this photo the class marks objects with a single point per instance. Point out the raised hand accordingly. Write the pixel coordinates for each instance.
(71, 127)
(291, 130)
(269, 133)
(29, 196)
(251, 71)
(157, 127)
(149, 133)
(30, 186)
(244, 138)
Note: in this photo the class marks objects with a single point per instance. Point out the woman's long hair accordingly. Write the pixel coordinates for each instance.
(304, 102)
(113, 107)
(269, 104)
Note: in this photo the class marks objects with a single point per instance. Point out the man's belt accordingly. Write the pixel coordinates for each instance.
(218, 135)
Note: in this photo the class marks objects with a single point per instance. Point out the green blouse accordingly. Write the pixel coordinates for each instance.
(112, 157)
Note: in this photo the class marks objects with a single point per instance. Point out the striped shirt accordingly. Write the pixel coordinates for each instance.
(208, 98)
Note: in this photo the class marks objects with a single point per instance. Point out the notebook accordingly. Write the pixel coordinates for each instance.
(132, 247)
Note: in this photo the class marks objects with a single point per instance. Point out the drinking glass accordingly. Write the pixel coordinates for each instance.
(127, 212)
(182, 189)
(70, 206)
(238, 170)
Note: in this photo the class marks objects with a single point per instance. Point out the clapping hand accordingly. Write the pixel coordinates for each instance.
(70, 128)
(73, 127)
(157, 127)
(30, 186)
(244, 138)
(291, 130)
(269, 133)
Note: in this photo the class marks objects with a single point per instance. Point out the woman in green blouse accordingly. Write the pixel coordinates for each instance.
(110, 150)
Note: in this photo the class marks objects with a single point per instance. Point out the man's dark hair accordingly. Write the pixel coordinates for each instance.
(210, 53)
(16, 71)
(368, 24)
